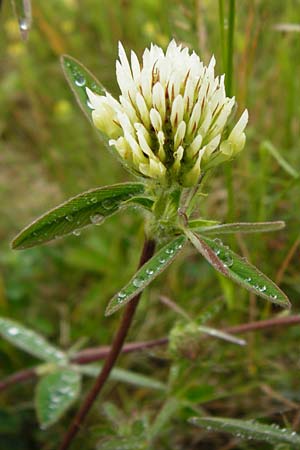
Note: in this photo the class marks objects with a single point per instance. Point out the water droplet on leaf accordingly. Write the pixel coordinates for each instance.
(23, 24)
(79, 80)
(96, 219)
(13, 331)
(137, 282)
(169, 251)
(108, 204)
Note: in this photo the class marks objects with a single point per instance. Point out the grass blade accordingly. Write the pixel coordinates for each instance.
(269, 147)
(238, 269)
(89, 208)
(146, 274)
(23, 12)
(248, 429)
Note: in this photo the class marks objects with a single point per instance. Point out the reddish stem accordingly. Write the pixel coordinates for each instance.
(115, 350)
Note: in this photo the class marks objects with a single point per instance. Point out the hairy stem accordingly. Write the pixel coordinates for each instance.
(116, 348)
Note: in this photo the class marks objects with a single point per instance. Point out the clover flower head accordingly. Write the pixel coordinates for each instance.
(170, 119)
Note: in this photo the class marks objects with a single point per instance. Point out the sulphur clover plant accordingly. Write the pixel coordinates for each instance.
(170, 126)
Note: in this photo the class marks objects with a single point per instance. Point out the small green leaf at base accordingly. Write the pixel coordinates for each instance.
(89, 208)
(248, 429)
(238, 269)
(146, 274)
(30, 341)
(54, 394)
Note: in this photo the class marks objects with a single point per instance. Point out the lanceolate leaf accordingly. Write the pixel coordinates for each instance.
(202, 223)
(54, 394)
(88, 208)
(79, 78)
(124, 376)
(146, 274)
(241, 227)
(238, 269)
(30, 341)
(248, 429)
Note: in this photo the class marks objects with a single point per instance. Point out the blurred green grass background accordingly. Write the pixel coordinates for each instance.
(49, 152)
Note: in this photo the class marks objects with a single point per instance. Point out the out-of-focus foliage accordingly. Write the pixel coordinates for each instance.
(50, 152)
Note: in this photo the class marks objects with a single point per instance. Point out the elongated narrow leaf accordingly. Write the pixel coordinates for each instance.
(248, 429)
(238, 269)
(80, 78)
(54, 394)
(202, 223)
(30, 341)
(125, 376)
(146, 274)
(242, 227)
(88, 208)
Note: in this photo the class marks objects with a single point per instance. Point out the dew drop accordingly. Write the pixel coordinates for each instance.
(137, 282)
(69, 218)
(218, 241)
(94, 199)
(13, 331)
(96, 219)
(76, 232)
(274, 297)
(162, 260)
(79, 80)
(248, 279)
(149, 272)
(24, 25)
(169, 251)
(107, 204)
(227, 259)
(263, 288)
(121, 296)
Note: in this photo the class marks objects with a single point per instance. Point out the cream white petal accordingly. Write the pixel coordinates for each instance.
(155, 119)
(143, 110)
(240, 126)
(179, 135)
(135, 66)
(194, 147)
(177, 111)
(124, 60)
(159, 100)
